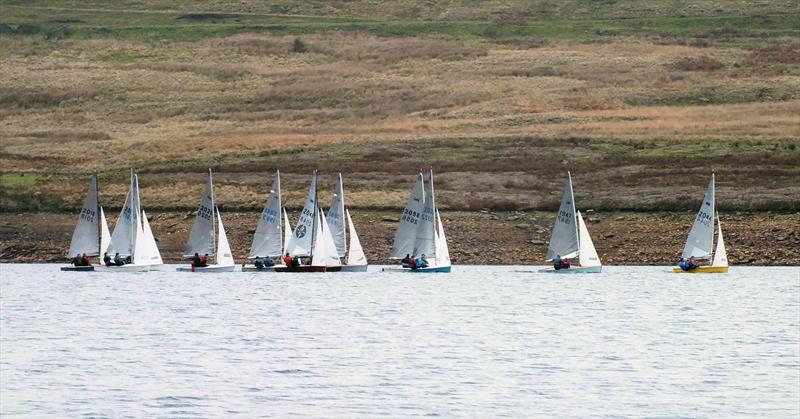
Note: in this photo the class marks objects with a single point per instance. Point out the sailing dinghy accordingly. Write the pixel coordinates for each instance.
(203, 236)
(270, 237)
(701, 238)
(91, 235)
(132, 237)
(337, 217)
(570, 238)
(421, 231)
(312, 239)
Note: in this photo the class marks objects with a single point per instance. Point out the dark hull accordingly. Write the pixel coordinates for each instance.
(305, 268)
(77, 268)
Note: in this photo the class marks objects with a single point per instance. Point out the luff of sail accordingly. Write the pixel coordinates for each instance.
(335, 218)
(425, 243)
(86, 236)
(701, 237)
(267, 240)
(301, 242)
(587, 254)
(406, 234)
(201, 239)
(564, 238)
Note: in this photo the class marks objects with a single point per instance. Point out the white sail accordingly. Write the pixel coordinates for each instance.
(105, 234)
(406, 235)
(587, 255)
(442, 250)
(355, 254)
(287, 231)
(123, 240)
(720, 254)
(224, 255)
(86, 236)
(564, 238)
(201, 239)
(301, 242)
(425, 243)
(150, 247)
(325, 253)
(267, 241)
(701, 237)
(335, 218)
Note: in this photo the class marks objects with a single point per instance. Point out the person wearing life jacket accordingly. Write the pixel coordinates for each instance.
(691, 263)
(558, 263)
(422, 262)
(196, 260)
(118, 261)
(566, 264)
(204, 261)
(412, 262)
(287, 260)
(258, 262)
(682, 264)
(405, 260)
(85, 260)
(107, 259)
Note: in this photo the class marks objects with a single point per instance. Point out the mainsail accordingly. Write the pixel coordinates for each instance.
(406, 236)
(564, 238)
(123, 240)
(267, 239)
(86, 236)
(335, 219)
(701, 237)
(302, 241)
(201, 239)
(425, 243)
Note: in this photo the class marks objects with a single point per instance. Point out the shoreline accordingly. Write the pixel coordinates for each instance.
(475, 237)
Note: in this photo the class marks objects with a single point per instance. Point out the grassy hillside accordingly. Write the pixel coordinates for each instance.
(640, 100)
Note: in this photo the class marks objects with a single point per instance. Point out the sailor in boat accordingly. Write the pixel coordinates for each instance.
(107, 259)
(287, 260)
(203, 261)
(560, 263)
(196, 260)
(262, 263)
(422, 262)
(691, 263)
(412, 262)
(405, 261)
(118, 261)
(79, 260)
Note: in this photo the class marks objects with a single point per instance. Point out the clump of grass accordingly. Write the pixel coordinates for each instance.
(702, 63)
(33, 98)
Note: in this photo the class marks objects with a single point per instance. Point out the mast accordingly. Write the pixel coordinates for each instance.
(97, 214)
(314, 220)
(574, 210)
(214, 210)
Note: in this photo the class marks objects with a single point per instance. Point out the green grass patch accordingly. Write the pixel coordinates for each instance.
(19, 180)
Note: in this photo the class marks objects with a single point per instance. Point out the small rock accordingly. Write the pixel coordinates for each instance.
(390, 219)
(522, 226)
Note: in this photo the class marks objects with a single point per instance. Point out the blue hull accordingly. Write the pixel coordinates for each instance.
(589, 270)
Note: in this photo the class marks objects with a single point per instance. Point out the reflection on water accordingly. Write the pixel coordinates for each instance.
(480, 342)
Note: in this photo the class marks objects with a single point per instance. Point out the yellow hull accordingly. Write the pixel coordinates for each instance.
(703, 270)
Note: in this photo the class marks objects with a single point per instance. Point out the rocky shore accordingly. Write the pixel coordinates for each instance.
(476, 237)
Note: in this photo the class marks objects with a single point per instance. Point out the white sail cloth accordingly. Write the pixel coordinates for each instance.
(201, 239)
(86, 236)
(701, 237)
(267, 239)
(302, 240)
(406, 235)
(564, 238)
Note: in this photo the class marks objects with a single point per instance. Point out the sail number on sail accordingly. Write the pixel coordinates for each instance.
(704, 218)
(564, 217)
(410, 216)
(269, 215)
(88, 215)
(427, 214)
(205, 212)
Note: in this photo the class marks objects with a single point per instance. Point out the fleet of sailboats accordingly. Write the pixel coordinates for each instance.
(701, 238)
(202, 241)
(324, 243)
(570, 238)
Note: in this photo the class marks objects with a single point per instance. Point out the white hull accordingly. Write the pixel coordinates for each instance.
(252, 268)
(574, 270)
(354, 268)
(126, 268)
(209, 268)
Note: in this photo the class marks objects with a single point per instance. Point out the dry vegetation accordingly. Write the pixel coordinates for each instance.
(639, 120)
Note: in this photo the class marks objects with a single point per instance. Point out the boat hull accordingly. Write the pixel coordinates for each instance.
(702, 270)
(354, 268)
(303, 268)
(207, 269)
(77, 268)
(124, 268)
(574, 270)
(429, 269)
(264, 269)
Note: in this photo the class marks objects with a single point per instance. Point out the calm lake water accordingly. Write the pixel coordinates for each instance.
(480, 342)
